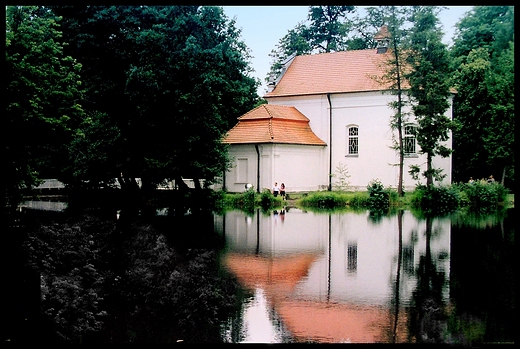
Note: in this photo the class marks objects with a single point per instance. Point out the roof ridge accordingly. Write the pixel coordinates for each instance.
(270, 124)
(340, 52)
(267, 110)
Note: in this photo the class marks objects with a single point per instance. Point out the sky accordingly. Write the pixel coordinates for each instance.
(263, 27)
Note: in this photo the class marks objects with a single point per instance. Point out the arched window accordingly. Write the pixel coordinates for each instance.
(409, 140)
(353, 140)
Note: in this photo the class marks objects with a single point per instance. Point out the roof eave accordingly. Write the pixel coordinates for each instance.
(275, 142)
(321, 93)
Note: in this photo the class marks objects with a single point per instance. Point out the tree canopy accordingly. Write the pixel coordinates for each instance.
(327, 31)
(160, 85)
(482, 57)
(43, 98)
(429, 88)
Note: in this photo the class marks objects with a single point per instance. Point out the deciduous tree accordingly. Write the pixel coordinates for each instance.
(168, 80)
(43, 98)
(482, 56)
(327, 31)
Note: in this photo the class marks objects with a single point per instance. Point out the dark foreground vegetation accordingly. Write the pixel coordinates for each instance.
(91, 277)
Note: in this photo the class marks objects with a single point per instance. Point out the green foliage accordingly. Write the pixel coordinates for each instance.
(325, 200)
(248, 198)
(245, 201)
(435, 200)
(326, 31)
(92, 153)
(482, 57)
(429, 86)
(394, 18)
(357, 199)
(42, 99)
(378, 201)
(483, 196)
(169, 82)
(267, 199)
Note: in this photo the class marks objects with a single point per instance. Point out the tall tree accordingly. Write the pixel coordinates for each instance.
(471, 110)
(42, 98)
(429, 89)
(327, 31)
(499, 136)
(168, 80)
(484, 105)
(392, 37)
(328, 28)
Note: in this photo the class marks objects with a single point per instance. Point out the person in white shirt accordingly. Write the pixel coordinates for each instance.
(276, 189)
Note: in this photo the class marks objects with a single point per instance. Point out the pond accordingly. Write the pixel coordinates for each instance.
(283, 276)
(350, 278)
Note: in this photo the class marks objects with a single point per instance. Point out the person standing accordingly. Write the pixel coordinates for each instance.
(491, 179)
(282, 191)
(276, 189)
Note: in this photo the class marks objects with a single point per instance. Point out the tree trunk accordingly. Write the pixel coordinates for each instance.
(180, 184)
(196, 181)
(429, 174)
(147, 185)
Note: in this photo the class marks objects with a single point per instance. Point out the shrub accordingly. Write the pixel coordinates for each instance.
(267, 199)
(436, 200)
(484, 196)
(378, 201)
(342, 176)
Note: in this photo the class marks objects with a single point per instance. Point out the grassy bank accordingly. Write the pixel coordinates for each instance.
(441, 199)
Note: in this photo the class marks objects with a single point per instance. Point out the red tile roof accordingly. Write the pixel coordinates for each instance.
(338, 72)
(273, 124)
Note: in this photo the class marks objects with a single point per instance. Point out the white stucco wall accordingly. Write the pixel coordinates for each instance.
(370, 112)
(299, 167)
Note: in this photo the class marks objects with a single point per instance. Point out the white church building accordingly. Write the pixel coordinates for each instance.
(325, 112)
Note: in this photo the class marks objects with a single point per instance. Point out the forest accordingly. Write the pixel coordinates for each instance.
(99, 94)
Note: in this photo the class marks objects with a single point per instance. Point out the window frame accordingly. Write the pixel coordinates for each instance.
(354, 138)
(409, 137)
(242, 170)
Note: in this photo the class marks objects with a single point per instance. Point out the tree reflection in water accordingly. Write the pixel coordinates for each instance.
(428, 322)
(109, 283)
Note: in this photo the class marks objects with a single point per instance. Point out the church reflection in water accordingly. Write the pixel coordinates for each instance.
(334, 277)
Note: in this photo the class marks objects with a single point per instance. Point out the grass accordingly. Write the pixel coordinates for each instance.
(457, 195)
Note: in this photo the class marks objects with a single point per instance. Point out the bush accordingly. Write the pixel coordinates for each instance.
(436, 200)
(378, 201)
(267, 199)
(484, 196)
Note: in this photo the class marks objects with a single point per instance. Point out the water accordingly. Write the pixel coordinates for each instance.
(349, 278)
(277, 277)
